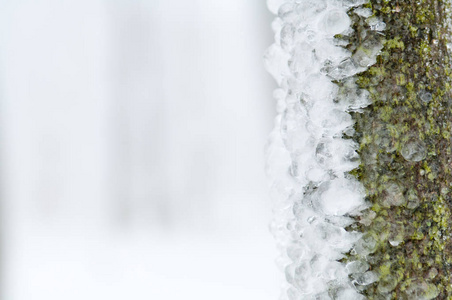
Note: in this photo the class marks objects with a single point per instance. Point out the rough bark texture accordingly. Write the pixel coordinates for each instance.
(405, 149)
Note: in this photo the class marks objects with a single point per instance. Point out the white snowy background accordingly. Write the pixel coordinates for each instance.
(132, 150)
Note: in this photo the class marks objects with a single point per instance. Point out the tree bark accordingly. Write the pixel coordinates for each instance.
(379, 228)
(405, 149)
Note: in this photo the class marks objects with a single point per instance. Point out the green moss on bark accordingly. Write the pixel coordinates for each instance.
(405, 147)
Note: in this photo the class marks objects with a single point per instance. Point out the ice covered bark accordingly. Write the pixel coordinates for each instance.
(405, 149)
(360, 156)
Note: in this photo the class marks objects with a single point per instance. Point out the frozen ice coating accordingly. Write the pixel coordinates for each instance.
(335, 21)
(309, 154)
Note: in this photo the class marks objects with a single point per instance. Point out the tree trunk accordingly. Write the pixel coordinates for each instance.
(399, 58)
(405, 149)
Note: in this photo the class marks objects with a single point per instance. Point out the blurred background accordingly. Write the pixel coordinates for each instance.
(132, 141)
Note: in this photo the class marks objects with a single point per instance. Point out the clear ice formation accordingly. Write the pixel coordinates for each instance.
(308, 157)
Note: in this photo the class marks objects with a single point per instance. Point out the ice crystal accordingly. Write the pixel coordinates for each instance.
(309, 156)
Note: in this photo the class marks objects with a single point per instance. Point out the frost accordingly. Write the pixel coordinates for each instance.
(308, 156)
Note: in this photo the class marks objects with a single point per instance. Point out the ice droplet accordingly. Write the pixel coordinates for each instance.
(396, 234)
(366, 54)
(324, 152)
(287, 12)
(316, 174)
(293, 294)
(357, 266)
(413, 199)
(384, 139)
(273, 5)
(363, 12)
(376, 24)
(394, 243)
(345, 69)
(348, 294)
(296, 252)
(387, 284)
(366, 245)
(287, 36)
(362, 59)
(352, 3)
(311, 219)
(425, 96)
(393, 195)
(336, 21)
(276, 62)
(366, 278)
(432, 273)
(337, 154)
(335, 120)
(413, 150)
(303, 61)
(340, 196)
(311, 8)
(351, 97)
(366, 218)
(420, 289)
